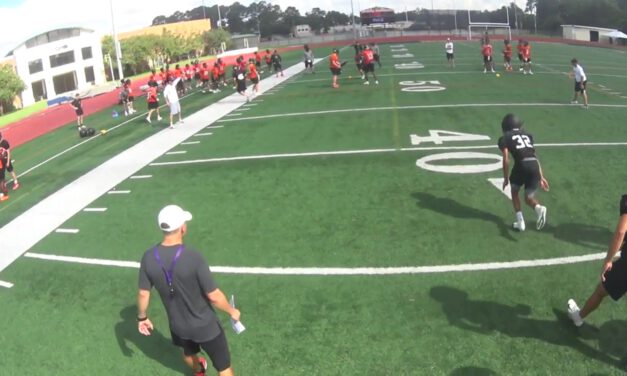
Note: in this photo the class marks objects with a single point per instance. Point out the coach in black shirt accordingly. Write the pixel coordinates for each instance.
(182, 278)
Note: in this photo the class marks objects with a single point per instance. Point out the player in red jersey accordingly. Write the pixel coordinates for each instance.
(268, 59)
(486, 51)
(526, 54)
(368, 65)
(519, 48)
(153, 103)
(215, 78)
(222, 66)
(204, 77)
(507, 55)
(335, 66)
(253, 76)
(258, 61)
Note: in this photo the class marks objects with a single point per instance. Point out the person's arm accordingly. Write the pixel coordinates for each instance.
(617, 241)
(218, 300)
(144, 325)
(505, 153)
(543, 182)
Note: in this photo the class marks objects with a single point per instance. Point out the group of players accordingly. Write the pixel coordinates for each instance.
(366, 55)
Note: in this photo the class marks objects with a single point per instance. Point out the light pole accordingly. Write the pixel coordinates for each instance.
(354, 27)
(219, 17)
(116, 43)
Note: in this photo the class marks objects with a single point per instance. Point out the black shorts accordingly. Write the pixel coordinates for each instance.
(278, 67)
(369, 67)
(520, 57)
(131, 98)
(336, 71)
(487, 59)
(527, 174)
(508, 59)
(308, 64)
(241, 86)
(258, 64)
(616, 279)
(376, 57)
(580, 87)
(9, 166)
(153, 105)
(450, 56)
(255, 80)
(79, 112)
(217, 349)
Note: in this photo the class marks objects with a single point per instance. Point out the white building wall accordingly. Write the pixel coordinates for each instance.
(24, 55)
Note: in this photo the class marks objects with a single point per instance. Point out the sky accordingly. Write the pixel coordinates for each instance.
(22, 19)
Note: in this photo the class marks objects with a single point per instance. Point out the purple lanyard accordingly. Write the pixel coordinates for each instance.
(169, 273)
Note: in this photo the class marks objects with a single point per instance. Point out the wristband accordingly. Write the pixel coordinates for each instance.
(140, 319)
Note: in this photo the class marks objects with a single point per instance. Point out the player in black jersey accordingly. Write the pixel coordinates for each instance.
(526, 172)
(613, 273)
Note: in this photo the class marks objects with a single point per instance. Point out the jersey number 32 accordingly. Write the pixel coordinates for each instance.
(522, 141)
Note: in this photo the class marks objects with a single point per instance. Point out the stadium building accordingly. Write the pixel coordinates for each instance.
(58, 62)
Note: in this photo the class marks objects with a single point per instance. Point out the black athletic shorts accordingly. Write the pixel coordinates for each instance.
(217, 349)
(450, 56)
(10, 166)
(241, 86)
(527, 174)
(520, 57)
(255, 80)
(377, 57)
(616, 279)
(487, 59)
(336, 71)
(308, 64)
(79, 112)
(153, 105)
(258, 64)
(508, 59)
(278, 67)
(369, 67)
(580, 86)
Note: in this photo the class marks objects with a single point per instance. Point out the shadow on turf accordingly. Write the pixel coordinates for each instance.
(473, 371)
(485, 317)
(156, 346)
(455, 209)
(589, 236)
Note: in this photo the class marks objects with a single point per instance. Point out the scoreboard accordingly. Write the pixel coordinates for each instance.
(377, 16)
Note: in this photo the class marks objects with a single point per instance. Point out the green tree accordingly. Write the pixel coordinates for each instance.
(11, 85)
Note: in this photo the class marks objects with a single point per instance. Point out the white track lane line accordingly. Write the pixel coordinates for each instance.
(67, 231)
(135, 177)
(95, 210)
(6, 284)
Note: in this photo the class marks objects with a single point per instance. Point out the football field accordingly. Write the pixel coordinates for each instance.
(363, 230)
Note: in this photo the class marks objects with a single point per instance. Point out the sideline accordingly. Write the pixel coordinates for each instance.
(23, 232)
(292, 271)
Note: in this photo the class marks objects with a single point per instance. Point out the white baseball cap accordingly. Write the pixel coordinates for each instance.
(172, 217)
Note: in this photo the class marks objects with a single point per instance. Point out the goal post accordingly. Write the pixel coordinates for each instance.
(489, 25)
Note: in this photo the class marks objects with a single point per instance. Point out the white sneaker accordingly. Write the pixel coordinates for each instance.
(524, 72)
(492, 71)
(520, 226)
(573, 313)
(531, 73)
(485, 71)
(574, 102)
(541, 221)
(148, 120)
(159, 118)
(585, 106)
(521, 69)
(367, 83)
(376, 82)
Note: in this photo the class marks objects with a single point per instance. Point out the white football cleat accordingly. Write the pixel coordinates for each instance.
(573, 313)
(574, 102)
(520, 226)
(541, 221)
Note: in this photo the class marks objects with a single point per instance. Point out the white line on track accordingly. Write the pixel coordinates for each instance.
(95, 210)
(343, 271)
(6, 284)
(135, 177)
(116, 192)
(244, 109)
(203, 134)
(249, 104)
(214, 126)
(235, 113)
(67, 230)
(176, 152)
(190, 143)
(371, 151)
(434, 106)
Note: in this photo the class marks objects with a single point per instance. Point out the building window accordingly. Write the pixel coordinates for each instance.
(64, 82)
(61, 59)
(52, 36)
(86, 53)
(39, 90)
(89, 75)
(35, 66)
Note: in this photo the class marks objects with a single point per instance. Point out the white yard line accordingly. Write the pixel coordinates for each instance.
(343, 271)
(118, 192)
(23, 232)
(135, 177)
(6, 284)
(95, 210)
(190, 143)
(424, 107)
(176, 152)
(371, 151)
(498, 183)
(235, 113)
(203, 134)
(214, 126)
(67, 230)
